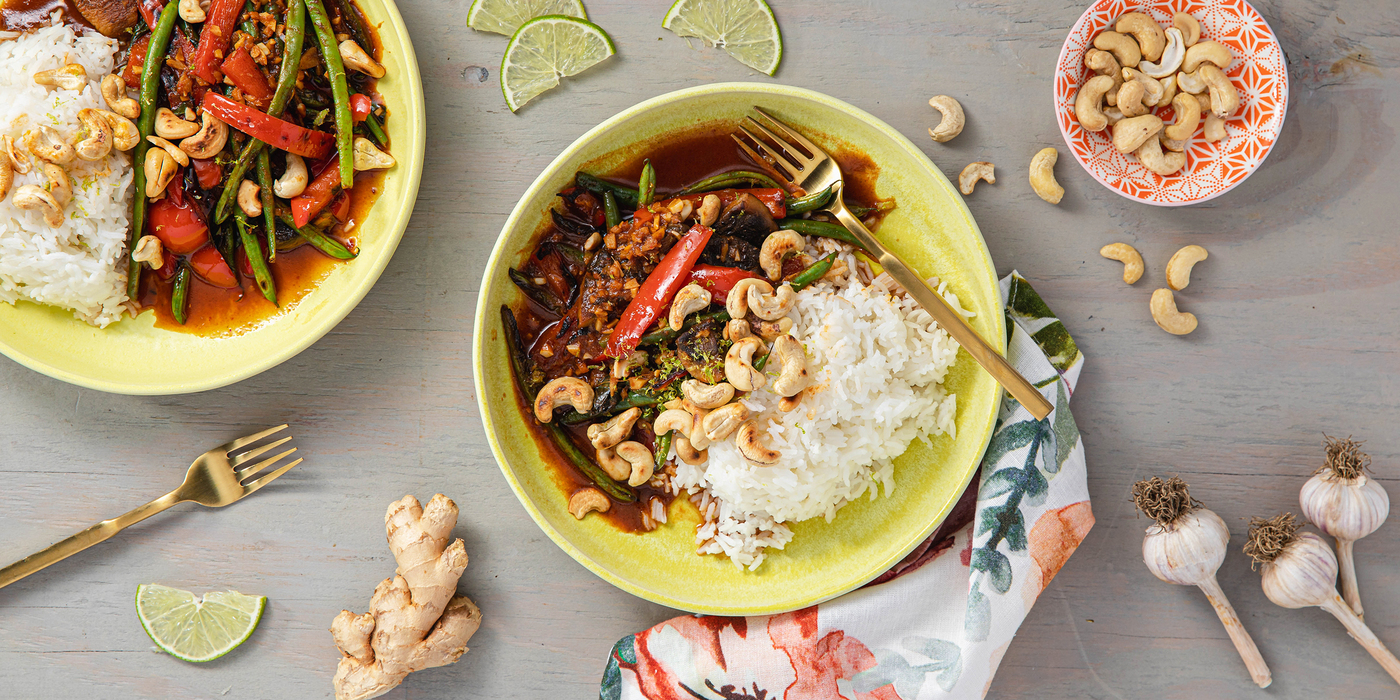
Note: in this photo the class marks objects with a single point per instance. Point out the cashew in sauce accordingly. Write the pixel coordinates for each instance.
(180, 156)
(249, 200)
(1123, 48)
(615, 430)
(689, 299)
(778, 245)
(749, 441)
(620, 462)
(682, 208)
(722, 422)
(641, 461)
(114, 94)
(622, 366)
(34, 197)
(1165, 313)
(563, 391)
(953, 119)
(210, 139)
(1128, 255)
(709, 210)
(160, 170)
(191, 12)
(71, 76)
(737, 329)
(588, 500)
(771, 307)
(980, 170)
(1043, 176)
(1179, 267)
(149, 251)
(171, 126)
(356, 58)
(682, 423)
(1151, 40)
(707, 395)
(46, 144)
(794, 358)
(369, 157)
(738, 365)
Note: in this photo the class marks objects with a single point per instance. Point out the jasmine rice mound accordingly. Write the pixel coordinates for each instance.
(78, 265)
(877, 363)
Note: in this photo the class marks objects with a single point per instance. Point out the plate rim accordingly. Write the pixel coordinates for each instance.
(480, 332)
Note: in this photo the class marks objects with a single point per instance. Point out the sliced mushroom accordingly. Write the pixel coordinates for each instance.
(150, 251)
(563, 391)
(171, 126)
(750, 443)
(125, 136)
(722, 422)
(160, 170)
(737, 303)
(738, 365)
(615, 430)
(58, 183)
(36, 198)
(770, 330)
(771, 307)
(707, 395)
(356, 58)
(794, 376)
(588, 500)
(71, 76)
(689, 299)
(210, 139)
(369, 157)
(687, 451)
(249, 200)
(776, 246)
(47, 144)
(294, 180)
(114, 93)
(175, 151)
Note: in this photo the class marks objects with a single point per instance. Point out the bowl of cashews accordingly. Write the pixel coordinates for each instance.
(1168, 104)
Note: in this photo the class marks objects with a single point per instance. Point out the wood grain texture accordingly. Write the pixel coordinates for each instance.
(1298, 306)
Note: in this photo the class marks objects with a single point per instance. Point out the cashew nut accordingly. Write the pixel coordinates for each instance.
(1178, 145)
(622, 366)
(722, 422)
(1130, 99)
(1128, 255)
(1103, 63)
(952, 123)
(1150, 38)
(778, 245)
(771, 307)
(1114, 115)
(1086, 109)
(687, 451)
(689, 299)
(1191, 82)
(191, 12)
(770, 330)
(1172, 56)
(1189, 26)
(1215, 128)
(95, 136)
(114, 93)
(210, 139)
(171, 126)
(72, 76)
(150, 251)
(248, 199)
(709, 210)
(1123, 48)
(36, 197)
(7, 176)
(748, 440)
(737, 303)
(293, 180)
(736, 330)
(18, 160)
(1131, 133)
(788, 403)
(47, 144)
(1043, 176)
(615, 430)
(674, 420)
(356, 58)
(1179, 267)
(1206, 52)
(160, 170)
(1152, 86)
(794, 376)
(1224, 98)
(588, 500)
(1164, 312)
(738, 366)
(59, 185)
(125, 136)
(570, 391)
(369, 157)
(1168, 91)
(982, 170)
(707, 395)
(1153, 158)
(1188, 117)
(642, 460)
(626, 461)
(180, 156)
(682, 208)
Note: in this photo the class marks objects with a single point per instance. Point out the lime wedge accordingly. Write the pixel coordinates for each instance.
(745, 29)
(195, 629)
(506, 16)
(546, 49)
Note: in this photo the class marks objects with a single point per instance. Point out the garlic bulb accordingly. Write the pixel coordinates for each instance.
(1300, 571)
(1346, 504)
(1186, 546)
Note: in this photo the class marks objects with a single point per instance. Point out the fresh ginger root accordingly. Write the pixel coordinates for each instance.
(415, 620)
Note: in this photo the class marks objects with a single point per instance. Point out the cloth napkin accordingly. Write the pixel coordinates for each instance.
(937, 624)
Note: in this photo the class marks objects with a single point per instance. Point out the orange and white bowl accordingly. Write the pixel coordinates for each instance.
(1259, 72)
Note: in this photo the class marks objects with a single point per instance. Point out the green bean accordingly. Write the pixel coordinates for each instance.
(728, 180)
(810, 275)
(625, 196)
(376, 131)
(646, 185)
(881, 207)
(808, 227)
(812, 202)
(635, 399)
(320, 240)
(150, 92)
(610, 212)
(517, 354)
(663, 448)
(540, 295)
(340, 91)
(253, 250)
(179, 294)
(265, 193)
(761, 362)
(358, 31)
(666, 335)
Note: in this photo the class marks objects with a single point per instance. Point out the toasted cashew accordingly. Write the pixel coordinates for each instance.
(737, 329)
(72, 76)
(1153, 158)
(7, 175)
(180, 156)
(294, 180)
(1179, 267)
(622, 366)
(37, 198)
(981, 170)
(1128, 255)
(794, 376)
(210, 139)
(737, 303)
(191, 11)
(588, 500)
(95, 136)
(369, 157)
(249, 200)
(788, 403)
(1087, 107)
(160, 170)
(1188, 117)
(682, 208)
(779, 245)
(356, 58)
(1224, 98)
(771, 307)
(1189, 26)
(1165, 313)
(1123, 48)
(18, 159)
(170, 126)
(58, 183)
(673, 420)
(642, 460)
(622, 462)
(770, 330)
(722, 422)
(707, 395)
(1207, 52)
(125, 136)
(1172, 56)
(114, 94)
(150, 251)
(563, 391)
(1150, 37)
(47, 144)
(1131, 133)
(952, 123)
(687, 451)
(709, 210)
(749, 441)
(738, 365)
(615, 430)
(688, 300)
(1043, 176)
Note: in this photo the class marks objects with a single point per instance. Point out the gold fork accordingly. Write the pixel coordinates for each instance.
(800, 161)
(217, 478)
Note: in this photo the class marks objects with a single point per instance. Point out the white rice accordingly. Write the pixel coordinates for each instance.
(77, 265)
(877, 363)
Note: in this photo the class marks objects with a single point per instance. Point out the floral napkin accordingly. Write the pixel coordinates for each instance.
(938, 623)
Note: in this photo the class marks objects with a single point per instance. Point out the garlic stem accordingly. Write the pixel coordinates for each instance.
(1363, 635)
(1253, 660)
(1346, 562)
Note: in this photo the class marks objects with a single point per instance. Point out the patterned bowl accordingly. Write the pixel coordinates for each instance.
(1259, 71)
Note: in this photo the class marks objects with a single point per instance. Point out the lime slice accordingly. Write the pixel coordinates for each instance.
(506, 16)
(745, 29)
(546, 49)
(194, 629)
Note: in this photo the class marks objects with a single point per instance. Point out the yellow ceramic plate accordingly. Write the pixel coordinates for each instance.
(931, 228)
(135, 357)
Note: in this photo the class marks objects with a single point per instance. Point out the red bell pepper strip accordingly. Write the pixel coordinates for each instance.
(317, 195)
(135, 60)
(268, 129)
(657, 291)
(215, 38)
(243, 71)
(208, 172)
(360, 106)
(718, 280)
(774, 200)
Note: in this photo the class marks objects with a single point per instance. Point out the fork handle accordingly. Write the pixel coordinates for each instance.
(948, 318)
(100, 532)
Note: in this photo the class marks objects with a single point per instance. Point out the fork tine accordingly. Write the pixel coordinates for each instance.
(760, 159)
(248, 456)
(235, 444)
(265, 480)
(792, 152)
(246, 472)
(799, 138)
(775, 157)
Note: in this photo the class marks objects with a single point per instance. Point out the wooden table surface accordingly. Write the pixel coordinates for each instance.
(1298, 306)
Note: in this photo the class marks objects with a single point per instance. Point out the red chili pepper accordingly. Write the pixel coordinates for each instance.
(360, 106)
(167, 267)
(340, 208)
(719, 280)
(774, 200)
(215, 38)
(209, 266)
(208, 172)
(656, 292)
(135, 61)
(269, 129)
(317, 195)
(243, 71)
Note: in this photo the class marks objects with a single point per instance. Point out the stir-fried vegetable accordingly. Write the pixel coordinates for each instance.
(610, 211)
(340, 92)
(264, 127)
(179, 294)
(316, 196)
(655, 294)
(253, 250)
(214, 39)
(646, 187)
(150, 90)
(719, 280)
(808, 227)
(730, 180)
(265, 194)
(809, 203)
